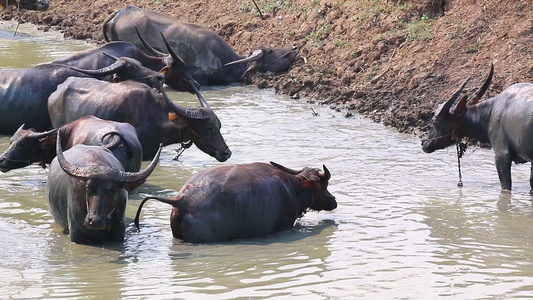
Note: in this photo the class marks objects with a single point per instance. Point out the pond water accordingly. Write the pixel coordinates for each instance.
(402, 229)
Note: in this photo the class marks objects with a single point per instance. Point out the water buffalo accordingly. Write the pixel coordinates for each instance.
(145, 109)
(504, 121)
(202, 49)
(87, 190)
(173, 68)
(24, 92)
(39, 5)
(27, 146)
(245, 201)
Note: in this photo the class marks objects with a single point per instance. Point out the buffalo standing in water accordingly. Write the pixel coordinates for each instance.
(504, 121)
(87, 190)
(245, 201)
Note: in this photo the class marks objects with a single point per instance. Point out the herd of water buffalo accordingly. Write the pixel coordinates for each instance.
(107, 109)
(96, 115)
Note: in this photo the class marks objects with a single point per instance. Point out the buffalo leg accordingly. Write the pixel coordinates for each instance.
(531, 179)
(503, 165)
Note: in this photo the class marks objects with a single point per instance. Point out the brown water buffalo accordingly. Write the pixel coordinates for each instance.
(245, 201)
(24, 92)
(504, 121)
(28, 146)
(145, 109)
(39, 5)
(87, 190)
(208, 55)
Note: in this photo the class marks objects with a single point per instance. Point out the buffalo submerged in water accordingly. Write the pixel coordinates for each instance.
(245, 201)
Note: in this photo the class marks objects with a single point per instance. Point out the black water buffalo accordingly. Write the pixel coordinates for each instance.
(27, 146)
(245, 201)
(173, 68)
(504, 121)
(202, 49)
(24, 92)
(145, 109)
(39, 5)
(87, 190)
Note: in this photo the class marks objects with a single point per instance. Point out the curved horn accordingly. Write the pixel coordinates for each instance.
(446, 107)
(133, 177)
(172, 53)
(103, 71)
(201, 98)
(21, 127)
(285, 169)
(40, 135)
(137, 215)
(326, 175)
(481, 91)
(114, 143)
(110, 56)
(148, 47)
(256, 55)
(180, 111)
(72, 170)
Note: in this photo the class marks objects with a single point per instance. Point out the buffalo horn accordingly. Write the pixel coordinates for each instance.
(103, 71)
(138, 214)
(116, 140)
(21, 127)
(81, 173)
(201, 98)
(479, 93)
(326, 175)
(148, 47)
(285, 169)
(446, 107)
(256, 55)
(133, 177)
(172, 53)
(40, 135)
(180, 111)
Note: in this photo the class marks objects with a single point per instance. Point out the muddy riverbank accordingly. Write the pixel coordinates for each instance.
(392, 61)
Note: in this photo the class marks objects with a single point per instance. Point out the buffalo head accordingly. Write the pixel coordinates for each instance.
(204, 127)
(26, 147)
(103, 187)
(177, 74)
(265, 59)
(315, 182)
(126, 68)
(445, 128)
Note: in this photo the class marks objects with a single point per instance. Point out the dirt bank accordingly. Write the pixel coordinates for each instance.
(392, 61)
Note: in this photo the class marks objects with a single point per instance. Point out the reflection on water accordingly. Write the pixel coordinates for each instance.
(402, 228)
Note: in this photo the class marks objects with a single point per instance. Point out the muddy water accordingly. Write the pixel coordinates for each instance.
(402, 229)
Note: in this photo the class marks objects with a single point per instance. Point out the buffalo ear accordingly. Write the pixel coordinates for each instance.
(460, 108)
(48, 142)
(309, 184)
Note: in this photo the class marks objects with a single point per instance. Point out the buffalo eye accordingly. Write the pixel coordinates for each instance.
(22, 144)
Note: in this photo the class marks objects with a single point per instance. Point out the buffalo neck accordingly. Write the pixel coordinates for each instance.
(475, 123)
(177, 133)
